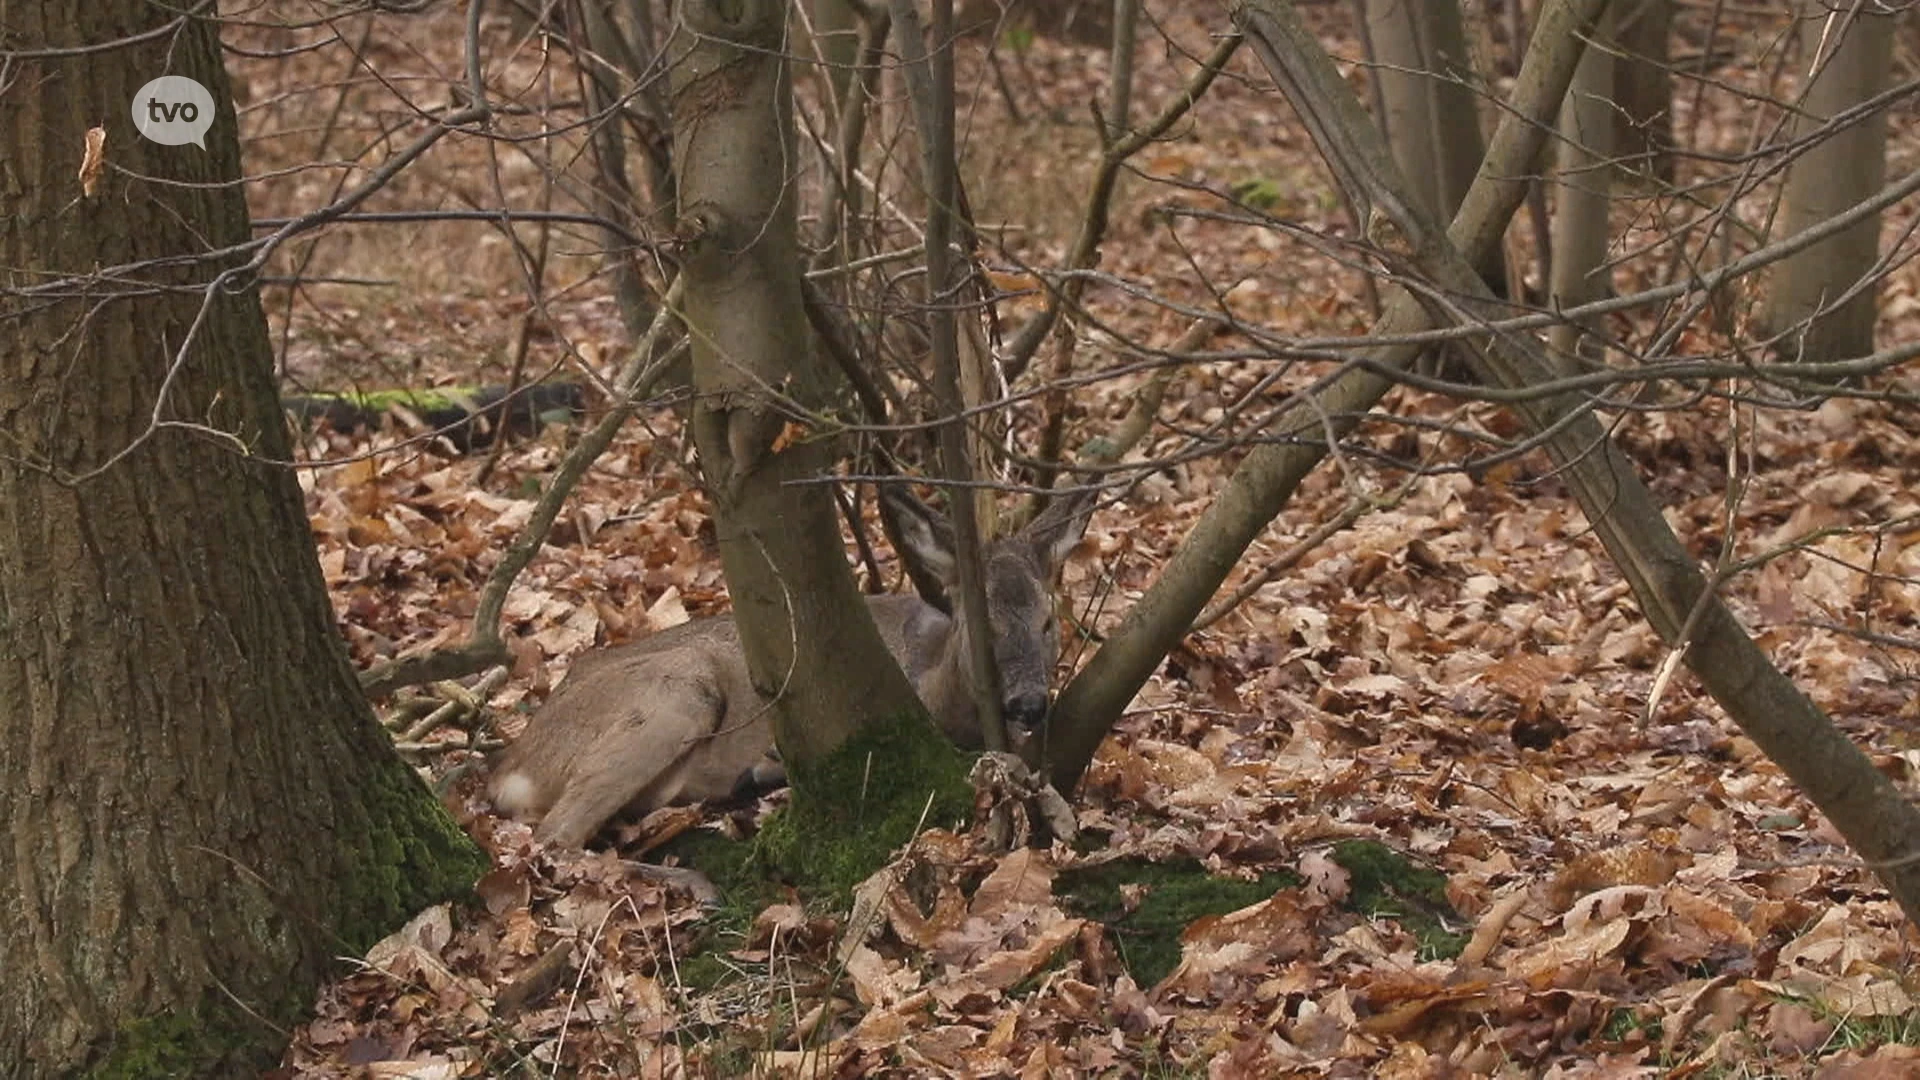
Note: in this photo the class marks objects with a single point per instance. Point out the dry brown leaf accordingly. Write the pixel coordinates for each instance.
(1008, 966)
(1023, 878)
(878, 982)
(1611, 867)
(93, 160)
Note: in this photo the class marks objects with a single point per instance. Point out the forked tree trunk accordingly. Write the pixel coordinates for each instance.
(198, 809)
(1260, 486)
(811, 646)
(1850, 53)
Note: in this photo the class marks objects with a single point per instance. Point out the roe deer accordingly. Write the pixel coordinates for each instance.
(674, 717)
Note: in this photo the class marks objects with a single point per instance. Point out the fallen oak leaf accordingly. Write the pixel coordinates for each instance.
(1009, 966)
(1575, 951)
(1486, 935)
(877, 983)
(1407, 1001)
(1326, 879)
(1610, 868)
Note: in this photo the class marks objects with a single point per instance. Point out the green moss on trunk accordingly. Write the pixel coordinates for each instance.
(413, 856)
(212, 1041)
(853, 808)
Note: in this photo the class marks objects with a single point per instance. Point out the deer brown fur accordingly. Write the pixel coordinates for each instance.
(674, 717)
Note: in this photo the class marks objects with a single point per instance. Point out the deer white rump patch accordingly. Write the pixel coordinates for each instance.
(514, 793)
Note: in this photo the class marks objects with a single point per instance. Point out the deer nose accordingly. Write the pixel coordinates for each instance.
(1028, 711)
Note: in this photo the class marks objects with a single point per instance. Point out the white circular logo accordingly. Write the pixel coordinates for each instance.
(174, 110)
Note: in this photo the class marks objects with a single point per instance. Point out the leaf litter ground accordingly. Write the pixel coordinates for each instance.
(1459, 679)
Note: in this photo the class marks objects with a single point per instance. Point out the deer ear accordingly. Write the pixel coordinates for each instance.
(1055, 532)
(924, 539)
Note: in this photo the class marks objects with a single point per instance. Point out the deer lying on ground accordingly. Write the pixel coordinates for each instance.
(674, 718)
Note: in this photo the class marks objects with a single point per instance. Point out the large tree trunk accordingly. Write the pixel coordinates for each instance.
(812, 648)
(198, 808)
(1850, 53)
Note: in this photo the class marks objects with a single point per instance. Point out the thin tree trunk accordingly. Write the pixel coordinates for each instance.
(836, 36)
(1643, 88)
(946, 277)
(1267, 476)
(810, 644)
(1849, 50)
(933, 114)
(1425, 79)
(841, 227)
(1580, 227)
(1126, 23)
(1680, 603)
(198, 809)
(613, 194)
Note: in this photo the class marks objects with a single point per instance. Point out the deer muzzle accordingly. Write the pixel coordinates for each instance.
(1026, 711)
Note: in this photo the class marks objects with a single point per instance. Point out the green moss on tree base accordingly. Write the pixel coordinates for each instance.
(216, 1040)
(846, 816)
(853, 809)
(413, 857)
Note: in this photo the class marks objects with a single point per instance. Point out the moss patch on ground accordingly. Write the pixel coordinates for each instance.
(1386, 884)
(1176, 893)
(746, 889)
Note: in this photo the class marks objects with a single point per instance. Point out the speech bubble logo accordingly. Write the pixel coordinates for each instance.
(173, 110)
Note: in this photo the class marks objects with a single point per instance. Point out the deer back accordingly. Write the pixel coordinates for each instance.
(670, 718)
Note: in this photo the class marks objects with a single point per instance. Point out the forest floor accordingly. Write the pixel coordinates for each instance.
(1420, 807)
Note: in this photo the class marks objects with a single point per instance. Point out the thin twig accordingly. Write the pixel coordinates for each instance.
(484, 647)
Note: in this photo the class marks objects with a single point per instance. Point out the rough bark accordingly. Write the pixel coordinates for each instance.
(1580, 228)
(198, 809)
(1677, 599)
(1850, 52)
(1267, 476)
(810, 644)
